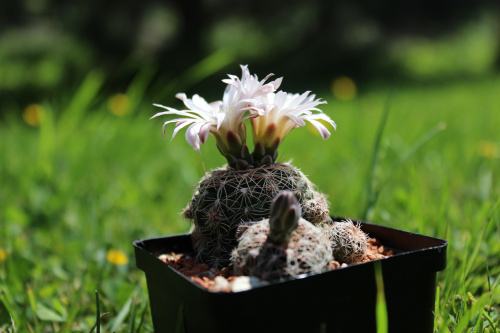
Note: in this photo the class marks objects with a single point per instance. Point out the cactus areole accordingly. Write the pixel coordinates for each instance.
(242, 191)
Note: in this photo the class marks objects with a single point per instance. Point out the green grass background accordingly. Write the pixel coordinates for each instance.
(86, 181)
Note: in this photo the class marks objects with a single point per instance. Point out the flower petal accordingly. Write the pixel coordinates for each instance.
(200, 106)
(276, 83)
(174, 111)
(200, 102)
(204, 131)
(216, 105)
(298, 120)
(192, 136)
(180, 125)
(321, 116)
(325, 134)
(181, 96)
(220, 118)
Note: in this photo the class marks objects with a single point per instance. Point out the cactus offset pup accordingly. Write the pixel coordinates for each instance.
(349, 242)
(283, 245)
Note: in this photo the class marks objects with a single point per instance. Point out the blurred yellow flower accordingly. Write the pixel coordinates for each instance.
(3, 255)
(488, 149)
(344, 88)
(119, 105)
(33, 114)
(116, 257)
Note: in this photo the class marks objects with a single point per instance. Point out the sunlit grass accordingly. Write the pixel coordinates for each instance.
(94, 175)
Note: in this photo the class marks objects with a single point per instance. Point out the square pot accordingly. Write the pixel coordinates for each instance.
(342, 300)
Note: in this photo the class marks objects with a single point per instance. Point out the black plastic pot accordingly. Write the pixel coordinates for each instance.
(342, 300)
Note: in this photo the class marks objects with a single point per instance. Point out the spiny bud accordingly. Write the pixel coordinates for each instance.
(245, 154)
(285, 214)
(259, 151)
(241, 164)
(234, 142)
(267, 160)
(265, 155)
(231, 160)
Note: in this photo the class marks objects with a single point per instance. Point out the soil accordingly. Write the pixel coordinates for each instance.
(206, 276)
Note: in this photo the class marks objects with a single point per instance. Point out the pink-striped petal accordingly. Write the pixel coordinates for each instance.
(204, 131)
(192, 136)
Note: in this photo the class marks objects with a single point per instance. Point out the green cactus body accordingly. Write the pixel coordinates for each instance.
(227, 198)
(308, 251)
(349, 242)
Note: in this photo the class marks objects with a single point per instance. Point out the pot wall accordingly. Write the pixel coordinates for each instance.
(342, 300)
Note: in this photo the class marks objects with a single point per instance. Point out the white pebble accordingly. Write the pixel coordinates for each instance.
(244, 283)
(220, 283)
(241, 283)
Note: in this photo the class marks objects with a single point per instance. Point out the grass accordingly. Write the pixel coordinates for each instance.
(81, 183)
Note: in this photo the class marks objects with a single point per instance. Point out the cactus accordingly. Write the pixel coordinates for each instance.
(349, 242)
(283, 245)
(243, 190)
(227, 198)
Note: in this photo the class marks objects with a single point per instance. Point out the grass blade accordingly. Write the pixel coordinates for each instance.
(179, 325)
(475, 309)
(123, 313)
(137, 88)
(98, 315)
(473, 255)
(426, 137)
(370, 195)
(131, 322)
(493, 326)
(80, 102)
(6, 299)
(436, 308)
(381, 306)
(143, 317)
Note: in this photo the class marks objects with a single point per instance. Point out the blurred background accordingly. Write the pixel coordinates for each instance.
(413, 86)
(47, 46)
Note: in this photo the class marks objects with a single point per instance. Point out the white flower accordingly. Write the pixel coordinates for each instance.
(223, 119)
(202, 116)
(283, 112)
(248, 87)
(272, 116)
